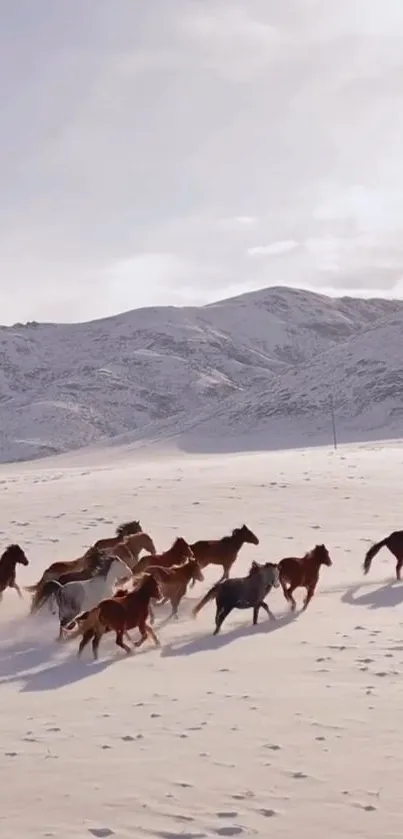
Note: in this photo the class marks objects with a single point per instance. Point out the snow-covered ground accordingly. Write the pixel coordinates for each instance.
(290, 728)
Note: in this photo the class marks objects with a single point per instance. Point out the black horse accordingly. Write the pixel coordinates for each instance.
(242, 593)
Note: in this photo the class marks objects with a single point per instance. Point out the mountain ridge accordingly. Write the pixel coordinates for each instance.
(185, 372)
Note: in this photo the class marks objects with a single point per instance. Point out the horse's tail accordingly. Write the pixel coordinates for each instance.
(80, 624)
(32, 588)
(211, 594)
(372, 552)
(36, 586)
(42, 595)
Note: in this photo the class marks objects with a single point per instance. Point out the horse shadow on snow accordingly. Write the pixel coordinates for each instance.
(201, 643)
(386, 596)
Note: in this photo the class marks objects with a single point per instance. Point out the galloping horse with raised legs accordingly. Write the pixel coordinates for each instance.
(223, 551)
(118, 614)
(12, 556)
(302, 572)
(242, 593)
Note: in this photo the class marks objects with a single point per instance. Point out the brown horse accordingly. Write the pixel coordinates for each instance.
(12, 556)
(177, 554)
(395, 544)
(119, 614)
(87, 560)
(302, 572)
(174, 581)
(129, 548)
(128, 528)
(223, 551)
(87, 566)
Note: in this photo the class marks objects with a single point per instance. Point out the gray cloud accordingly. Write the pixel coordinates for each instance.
(171, 152)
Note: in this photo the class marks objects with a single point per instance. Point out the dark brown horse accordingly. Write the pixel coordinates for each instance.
(395, 544)
(174, 581)
(12, 556)
(223, 551)
(119, 614)
(302, 572)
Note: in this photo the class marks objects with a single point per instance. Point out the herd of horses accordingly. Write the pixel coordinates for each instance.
(111, 588)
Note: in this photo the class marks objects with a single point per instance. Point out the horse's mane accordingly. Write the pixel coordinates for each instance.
(123, 529)
(254, 568)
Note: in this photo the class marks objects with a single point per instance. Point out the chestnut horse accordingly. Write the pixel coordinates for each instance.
(302, 572)
(123, 530)
(223, 551)
(129, 548)
(12, 556)
(395, 544)
(174, 581)
(119, 614)
(177, 554)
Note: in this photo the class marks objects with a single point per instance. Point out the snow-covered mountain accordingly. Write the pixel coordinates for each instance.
(260, 366)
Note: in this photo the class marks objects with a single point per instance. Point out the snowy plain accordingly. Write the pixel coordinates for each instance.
(290, 728)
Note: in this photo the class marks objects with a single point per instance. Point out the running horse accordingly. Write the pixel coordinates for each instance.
(242, 593)
(302, 572)
(118, 614)
(88, 561)
(178, 553)
(173, 582)
(394, 542)
(12, 556)
(223, 551)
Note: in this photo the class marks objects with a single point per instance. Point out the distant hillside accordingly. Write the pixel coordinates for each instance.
(245, 366)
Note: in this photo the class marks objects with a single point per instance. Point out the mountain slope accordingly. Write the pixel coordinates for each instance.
(162, 371)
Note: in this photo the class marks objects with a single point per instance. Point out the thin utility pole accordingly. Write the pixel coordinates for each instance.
(333, 423)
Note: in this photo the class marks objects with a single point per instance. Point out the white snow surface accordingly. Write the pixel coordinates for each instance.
(255, 371)
(292, 727)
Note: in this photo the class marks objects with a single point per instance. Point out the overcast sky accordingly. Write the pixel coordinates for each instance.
(178, 151)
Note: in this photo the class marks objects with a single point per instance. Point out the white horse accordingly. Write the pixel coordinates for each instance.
(82, 595)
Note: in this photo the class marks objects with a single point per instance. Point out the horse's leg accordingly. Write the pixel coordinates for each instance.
(152, 635)
(290, 598)
(175, 601)
(96, 640)
(142, 627)
(120, 642)
(285, 590)
(310, 591)
(264, 606)
(151, 614)
(256, 614)
(221, 614)
(85, 640)
(202, 566)
(18, 590)
(399, 566)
